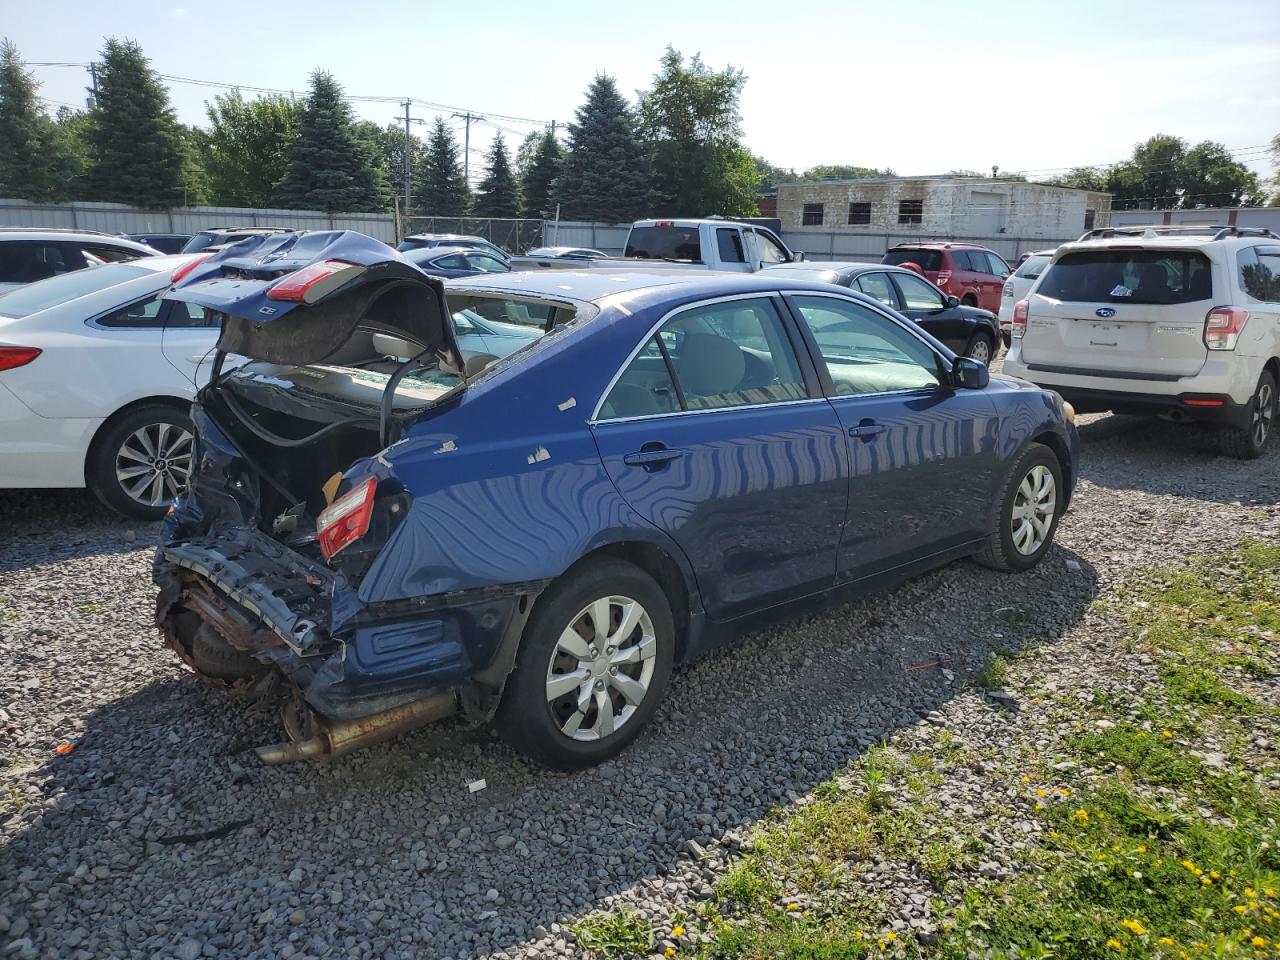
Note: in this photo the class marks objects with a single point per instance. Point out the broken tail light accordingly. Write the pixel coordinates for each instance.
(1019, 326)
(314, 282)
(183, 271)
(346, 520)
(1223, 326)
(13, 357)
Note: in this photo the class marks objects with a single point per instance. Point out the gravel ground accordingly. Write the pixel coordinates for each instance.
(386, 852)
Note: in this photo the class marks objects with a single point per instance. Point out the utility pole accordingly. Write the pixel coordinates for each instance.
(466, 144)
(408, 169)
(93, 74)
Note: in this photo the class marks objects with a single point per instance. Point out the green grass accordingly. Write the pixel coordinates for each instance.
(616, 933)
(994, 673)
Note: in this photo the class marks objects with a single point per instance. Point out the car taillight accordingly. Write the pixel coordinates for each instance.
(13, 357)
(314, 282)
(944, 277)
(1019, 320)
(1222, 327)
(186, 268)
(1007, 290)
(346, 520)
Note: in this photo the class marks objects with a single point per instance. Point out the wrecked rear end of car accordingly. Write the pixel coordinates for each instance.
(332, 349)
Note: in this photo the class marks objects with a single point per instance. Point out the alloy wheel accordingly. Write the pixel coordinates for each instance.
(601, 668)
(980, 351)
(1264, 409)
(1034, 504)
(154, 463)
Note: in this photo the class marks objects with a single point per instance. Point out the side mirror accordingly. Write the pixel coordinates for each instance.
(951, 301)
(797, 256)
(970, 374)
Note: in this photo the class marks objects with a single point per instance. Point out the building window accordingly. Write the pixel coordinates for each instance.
(1088, 219)
(911, 211)
(812, 216)
(859, 213)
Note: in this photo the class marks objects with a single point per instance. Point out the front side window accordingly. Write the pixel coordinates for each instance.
(1259, 273)
(865, 352)
(485, 263)
(770, 250)
(879, 286)
(998, 266)
(911, 211)
(812, 215)
(729, 243)
(141, 315)
(1129, 276)
(713, 356)
(917, 294)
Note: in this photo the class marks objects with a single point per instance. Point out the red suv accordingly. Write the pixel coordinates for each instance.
(974, 274)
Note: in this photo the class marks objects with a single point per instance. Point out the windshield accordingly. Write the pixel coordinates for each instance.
(1127, 276)
(1032, 267)
(69, 286)
(664, 243)
(925, 259)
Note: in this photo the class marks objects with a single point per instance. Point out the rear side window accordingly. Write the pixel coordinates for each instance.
(482, 261)
(455, 261)
(141, 315)
(1032, 268)
(69, 286)
(664, 243)
(1259, 273)
(1129, 276)
(202, 240)
(729, 243)
(26, 261)
(110, 254)
(644, 389)
(925, 259)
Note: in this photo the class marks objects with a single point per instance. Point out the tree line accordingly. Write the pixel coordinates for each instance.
(676, 151)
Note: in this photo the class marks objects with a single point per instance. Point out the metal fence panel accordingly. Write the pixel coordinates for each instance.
(870, 247)
(513, 235)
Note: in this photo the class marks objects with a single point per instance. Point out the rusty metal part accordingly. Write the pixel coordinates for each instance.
(333, 737)
(228, 622)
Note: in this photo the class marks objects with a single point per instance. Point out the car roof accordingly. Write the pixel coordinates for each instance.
(430, 253)
(445, 236)
(58, 233)
(939, 245)
(592, 286)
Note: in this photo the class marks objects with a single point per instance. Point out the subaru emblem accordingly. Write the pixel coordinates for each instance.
(1105, 312)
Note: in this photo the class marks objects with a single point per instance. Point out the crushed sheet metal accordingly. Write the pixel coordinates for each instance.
(542, 453)
(568, 404)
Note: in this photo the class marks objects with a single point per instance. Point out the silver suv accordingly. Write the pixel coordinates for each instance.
(1180, 322)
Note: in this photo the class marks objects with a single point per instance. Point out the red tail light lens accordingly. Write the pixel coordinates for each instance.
(944, 277)
(314, 282)
(1019, 320)
(1223, 326)
(186, 268)
(346, 520)
(13, 357)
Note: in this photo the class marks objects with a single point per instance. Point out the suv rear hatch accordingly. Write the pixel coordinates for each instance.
(1122, 311)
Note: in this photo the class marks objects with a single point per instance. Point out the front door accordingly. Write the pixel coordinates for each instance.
(922, 453)
(926, 305)
(715, 435)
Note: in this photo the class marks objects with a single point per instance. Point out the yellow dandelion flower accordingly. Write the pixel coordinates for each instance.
(1189, 865)
(1142, 848)
(793, 906)
(1165, 941)
(1270, 891)
(1215, 874)
(1114, 945)
(669, 952)
(1082, 815)
(1258, 942)
(1064, 791)
(1239, 908)
(677, 931)
(1167, 734)
(1206, 881)
(891, 936)
(1041, 792)
(805, 914)
(1039, 805)
(1134, 927)
(1250, 893)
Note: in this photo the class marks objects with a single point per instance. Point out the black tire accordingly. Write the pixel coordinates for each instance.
(100, 467)
(1249, 442)
(527, 720)
(977, 342)
(1000, 551)
(216, 658)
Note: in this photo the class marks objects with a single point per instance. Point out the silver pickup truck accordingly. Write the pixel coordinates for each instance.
(695, 244)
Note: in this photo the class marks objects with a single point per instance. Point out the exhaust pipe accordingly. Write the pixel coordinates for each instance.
(342, 736)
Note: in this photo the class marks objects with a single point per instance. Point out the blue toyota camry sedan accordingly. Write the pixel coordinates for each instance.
(391, 533)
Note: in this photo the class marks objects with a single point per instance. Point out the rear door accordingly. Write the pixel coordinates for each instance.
(1121, 311)
(189, 339)
(922, 453)
(716, 434)
(993, 283)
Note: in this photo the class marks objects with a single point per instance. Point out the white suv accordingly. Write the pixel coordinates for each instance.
(28, 254)
(1179, 322)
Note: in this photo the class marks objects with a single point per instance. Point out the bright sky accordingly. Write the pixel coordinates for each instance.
(922, 86)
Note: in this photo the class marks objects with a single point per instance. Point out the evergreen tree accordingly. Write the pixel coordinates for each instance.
(537, 184)
(141, 155)
(442, 190)
(690, 122)
(35, 161)
(604, 176)
(330, 164)
(524, 153)
(247, 145)
(499, 195)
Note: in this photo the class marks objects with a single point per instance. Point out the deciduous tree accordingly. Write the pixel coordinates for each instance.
(247, 144)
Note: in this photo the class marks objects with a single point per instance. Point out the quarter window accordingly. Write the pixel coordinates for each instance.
(710, 357)
(865, 352)
(878, 285)
(141, 315)
(812, 216)
(911, 211)
(1260, 273)
(859, 214)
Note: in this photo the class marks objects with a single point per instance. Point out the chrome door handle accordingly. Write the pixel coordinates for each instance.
(650, 458)
(867, 430)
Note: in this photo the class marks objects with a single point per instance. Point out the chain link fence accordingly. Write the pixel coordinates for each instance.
(513, 235)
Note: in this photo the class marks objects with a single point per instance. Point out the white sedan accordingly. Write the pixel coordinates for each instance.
(97, 374)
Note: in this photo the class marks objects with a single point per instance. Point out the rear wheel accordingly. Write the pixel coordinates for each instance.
(1027, 513)
(981, 348)
(969, 300)
(593, 665)
(141, 460)
(1247, 443)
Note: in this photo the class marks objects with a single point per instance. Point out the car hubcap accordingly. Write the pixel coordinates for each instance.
(153, 464)
(1263, 411)
(1033, 508)
(601, 668)
(980, 352)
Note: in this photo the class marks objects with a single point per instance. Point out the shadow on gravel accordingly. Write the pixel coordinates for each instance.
(48, 526)
(387, 852)
(1179, 459)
